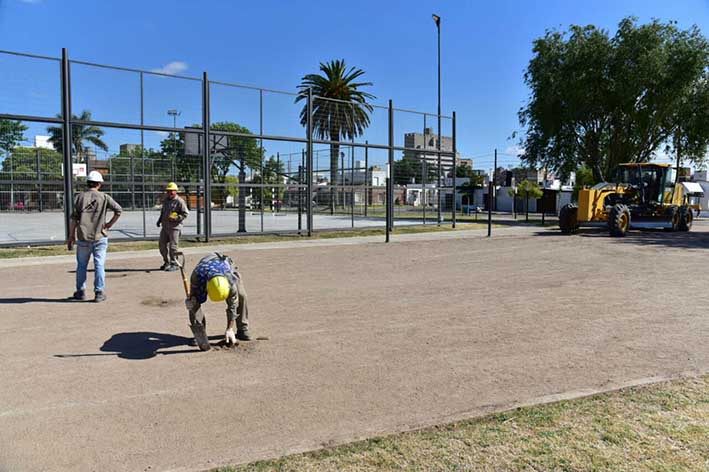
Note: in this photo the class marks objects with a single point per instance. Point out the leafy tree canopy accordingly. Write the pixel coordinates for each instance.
(11, 134)
(599, 100)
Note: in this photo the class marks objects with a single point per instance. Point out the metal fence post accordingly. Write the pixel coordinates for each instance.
(454, 170)
(39, 181)
(390, 190)
(206, 159)
(366, 177)
(490, 197)
(438, 150)
(300, 193)
(66, 140)
(387, 181)
(352, 154)
(263, 177)
(309, 163)
(142, 154)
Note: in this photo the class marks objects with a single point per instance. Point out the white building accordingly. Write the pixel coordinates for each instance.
(43, 142)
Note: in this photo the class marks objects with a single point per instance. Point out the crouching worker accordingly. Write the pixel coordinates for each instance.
(215, 276)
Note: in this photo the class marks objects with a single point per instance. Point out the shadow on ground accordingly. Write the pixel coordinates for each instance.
(19, 300)
(680, 240)
(657, 238)
(119, 271)
(141, 345)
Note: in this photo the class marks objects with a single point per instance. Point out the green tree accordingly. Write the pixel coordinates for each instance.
(23, 163)
(584, 177)
(468, 189)
(232, 186)
(80, 134)
(343, 117)
(598, 101)
(273, 171)
(412, 168)
(11, 134)
(526, 190)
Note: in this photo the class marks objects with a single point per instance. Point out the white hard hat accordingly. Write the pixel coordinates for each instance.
(95, 176)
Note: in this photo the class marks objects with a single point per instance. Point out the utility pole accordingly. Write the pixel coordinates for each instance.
(490, 197)
(437, 20)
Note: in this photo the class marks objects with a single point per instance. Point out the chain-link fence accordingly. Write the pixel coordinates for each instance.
(277, 161)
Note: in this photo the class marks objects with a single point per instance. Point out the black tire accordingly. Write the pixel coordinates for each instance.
(619, 220)
(568, 219)
(673, 218)
(686, 218)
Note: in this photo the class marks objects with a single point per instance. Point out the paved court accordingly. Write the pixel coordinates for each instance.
(49, 226)
(365, 339)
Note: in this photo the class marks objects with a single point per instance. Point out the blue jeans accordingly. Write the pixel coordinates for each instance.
(84, 251)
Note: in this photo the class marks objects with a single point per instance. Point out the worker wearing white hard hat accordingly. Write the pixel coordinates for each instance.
(89, 230)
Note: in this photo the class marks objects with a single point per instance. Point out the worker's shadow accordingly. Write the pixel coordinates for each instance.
(145, 345)
(142, 345)
(19, 300)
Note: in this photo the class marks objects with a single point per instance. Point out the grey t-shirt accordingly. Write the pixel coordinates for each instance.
(89, 213)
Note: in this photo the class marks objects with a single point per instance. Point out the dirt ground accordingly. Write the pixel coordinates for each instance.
(364, 339)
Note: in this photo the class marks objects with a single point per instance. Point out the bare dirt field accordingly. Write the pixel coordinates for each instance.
(364, 339)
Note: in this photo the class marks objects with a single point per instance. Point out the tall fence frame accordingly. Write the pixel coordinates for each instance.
(305, 181)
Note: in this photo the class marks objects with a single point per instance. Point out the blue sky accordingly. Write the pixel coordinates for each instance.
(272, 44)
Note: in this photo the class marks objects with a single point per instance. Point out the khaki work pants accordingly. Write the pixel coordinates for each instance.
(169, 239)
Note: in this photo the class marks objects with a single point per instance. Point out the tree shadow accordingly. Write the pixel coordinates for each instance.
(141, 345)
(678, 240)
(643, 237)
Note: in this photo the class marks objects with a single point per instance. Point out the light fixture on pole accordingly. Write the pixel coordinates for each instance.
(437, 20)
(174, 114)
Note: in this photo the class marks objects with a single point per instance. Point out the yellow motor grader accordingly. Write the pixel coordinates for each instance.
(644, 195)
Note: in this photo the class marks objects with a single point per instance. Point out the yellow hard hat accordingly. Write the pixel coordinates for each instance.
(218, 288)
(171, 186)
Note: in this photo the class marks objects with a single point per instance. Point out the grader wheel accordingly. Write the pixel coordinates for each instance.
(568, 219)
(619, 220)
(686, 218)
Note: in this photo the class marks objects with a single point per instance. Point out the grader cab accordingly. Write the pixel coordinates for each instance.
(643, 195)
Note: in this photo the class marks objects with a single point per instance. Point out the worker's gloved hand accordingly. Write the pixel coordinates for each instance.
(230, 337)
(158, 224)
(190, 303)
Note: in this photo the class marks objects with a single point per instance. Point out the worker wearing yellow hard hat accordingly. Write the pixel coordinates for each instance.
(172, 215)
(215, 278)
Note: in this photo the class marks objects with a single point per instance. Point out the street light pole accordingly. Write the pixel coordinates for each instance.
(174, 113)
(437, 20)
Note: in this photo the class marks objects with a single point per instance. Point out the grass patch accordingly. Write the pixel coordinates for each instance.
(662, 427)
(121, 246)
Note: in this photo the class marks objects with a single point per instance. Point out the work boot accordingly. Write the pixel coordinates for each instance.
(99, 297)
(171, 268)
(79, 295)
(164, 266)
(243, 335)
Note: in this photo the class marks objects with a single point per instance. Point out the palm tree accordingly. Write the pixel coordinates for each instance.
(344, 116)
(79, 134)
